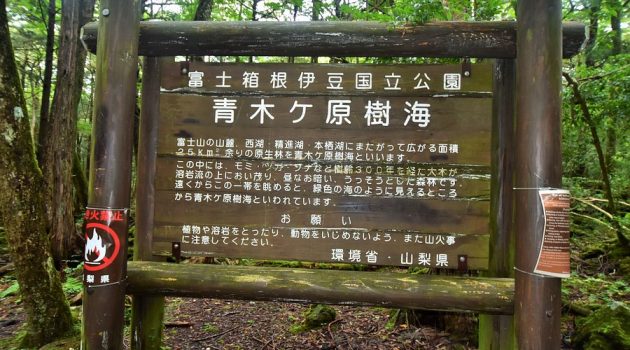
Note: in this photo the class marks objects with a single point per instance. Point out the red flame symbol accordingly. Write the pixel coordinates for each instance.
(95, 246)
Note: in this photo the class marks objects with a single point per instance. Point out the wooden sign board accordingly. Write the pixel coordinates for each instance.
(371, 164)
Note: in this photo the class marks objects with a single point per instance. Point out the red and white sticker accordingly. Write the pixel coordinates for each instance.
(103, 245)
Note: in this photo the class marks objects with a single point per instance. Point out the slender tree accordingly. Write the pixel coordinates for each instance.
(58, 147)
(317, 8)
(204, 10)
(617, 46)
(48, 72)
(593, 28)
(22, 208)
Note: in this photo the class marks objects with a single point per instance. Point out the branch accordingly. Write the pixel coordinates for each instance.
(570, 10)
(597, 77)
(592, 199)
(610, 216)
(593, 219)
(578, 310)
(41, 12)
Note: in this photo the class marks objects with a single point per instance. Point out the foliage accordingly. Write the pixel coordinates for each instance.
(27, 20)
(13, 289)
(72, 285)
(606, 89)
(607, 328)
(74, 280)
(594, 291)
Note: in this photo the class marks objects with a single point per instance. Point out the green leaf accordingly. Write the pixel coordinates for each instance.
(11, 290)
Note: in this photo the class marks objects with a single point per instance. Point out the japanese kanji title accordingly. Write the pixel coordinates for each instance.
(376, 112)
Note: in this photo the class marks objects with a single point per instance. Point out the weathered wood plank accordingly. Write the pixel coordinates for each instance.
(326, 79)
(446, 113)
(417, 147)
(331, 191)
(289, 178)
(398, 230)
(440, 39)
(395, 290)
(461, 121)
(330, 245)
(427, 216)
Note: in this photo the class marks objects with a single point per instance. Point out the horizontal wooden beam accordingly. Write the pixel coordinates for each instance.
(440, 39)
(385, 289)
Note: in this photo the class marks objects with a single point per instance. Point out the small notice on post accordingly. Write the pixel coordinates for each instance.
(103, 230)
(553, 258)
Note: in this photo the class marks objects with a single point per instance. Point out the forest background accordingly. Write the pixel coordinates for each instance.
(45, 149)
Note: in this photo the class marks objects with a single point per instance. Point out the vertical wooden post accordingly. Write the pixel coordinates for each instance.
(497, 331)
(148, 311)
(538, 165)
(110, 172)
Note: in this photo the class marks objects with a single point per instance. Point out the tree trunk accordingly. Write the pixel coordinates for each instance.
(593, 27)
(22, 209)
(58, 147)
(337, 4)
(317, 8)
(254, 10)
(44, 122)
(79, 178)
(611, 131)
(611, 145)
(615, 26)
(202, 13)
(204, 10)
(253, 19)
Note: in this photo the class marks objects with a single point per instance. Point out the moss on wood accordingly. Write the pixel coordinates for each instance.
(491, 295)
(22, 209)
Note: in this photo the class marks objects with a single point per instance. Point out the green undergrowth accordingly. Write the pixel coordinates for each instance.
(598, 290)
(608, 328)
(210, 328)
(72, 284)
(596, 295)
(314, 317)
(71, 340)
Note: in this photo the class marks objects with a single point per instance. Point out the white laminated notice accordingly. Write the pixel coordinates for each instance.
(554, 255)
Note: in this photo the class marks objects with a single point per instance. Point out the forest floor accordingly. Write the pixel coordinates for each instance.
(226, 324)
(234, 324)
(596, 282)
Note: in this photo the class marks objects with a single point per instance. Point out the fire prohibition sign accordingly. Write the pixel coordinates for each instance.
(100, 251)
(103, 245)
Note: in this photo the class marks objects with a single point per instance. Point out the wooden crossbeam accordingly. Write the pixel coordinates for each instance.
(375, 39)
(385, 289)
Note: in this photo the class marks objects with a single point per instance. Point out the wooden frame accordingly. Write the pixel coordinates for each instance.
(535, 128)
